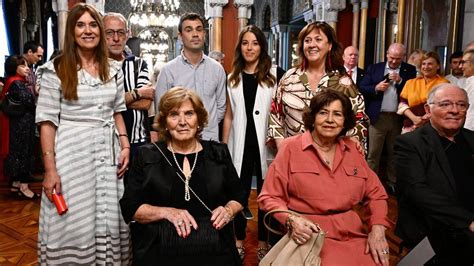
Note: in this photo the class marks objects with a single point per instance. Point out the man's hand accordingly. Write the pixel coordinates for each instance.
(147, 92)
(395, 77)
(382, 86)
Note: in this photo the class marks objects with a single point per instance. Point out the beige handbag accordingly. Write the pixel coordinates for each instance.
(287, 252)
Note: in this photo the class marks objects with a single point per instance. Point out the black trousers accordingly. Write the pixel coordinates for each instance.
(250, 165)
(452, 247)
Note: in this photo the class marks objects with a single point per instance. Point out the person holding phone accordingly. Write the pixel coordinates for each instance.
(381, 87)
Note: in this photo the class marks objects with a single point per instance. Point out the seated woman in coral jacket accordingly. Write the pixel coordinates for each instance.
(321, 175)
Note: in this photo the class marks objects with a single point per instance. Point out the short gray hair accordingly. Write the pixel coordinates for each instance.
(116, 16)
(216, 55)
(443, 86)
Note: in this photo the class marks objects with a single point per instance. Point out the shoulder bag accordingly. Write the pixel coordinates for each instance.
(288, 252)
(12, 107)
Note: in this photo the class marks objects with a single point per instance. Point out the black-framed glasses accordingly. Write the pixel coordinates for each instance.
(462, 62)
(111, 33)
(448, 105)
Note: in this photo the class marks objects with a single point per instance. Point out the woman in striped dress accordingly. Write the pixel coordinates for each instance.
(85, 148)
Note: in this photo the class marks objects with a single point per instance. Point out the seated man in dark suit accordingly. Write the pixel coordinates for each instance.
(381, 87)
(435, 180)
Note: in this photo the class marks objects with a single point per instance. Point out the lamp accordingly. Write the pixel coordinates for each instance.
(157, 13)
(154, 44)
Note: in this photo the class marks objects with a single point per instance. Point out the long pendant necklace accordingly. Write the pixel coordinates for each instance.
(187, 177)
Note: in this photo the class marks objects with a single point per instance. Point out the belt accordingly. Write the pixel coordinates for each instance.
(97, 123)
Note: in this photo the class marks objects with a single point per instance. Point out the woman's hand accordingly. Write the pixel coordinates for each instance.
(124, 158)
(416, 120)
(377, 245)
(301, 229)
(51, 181)
(182, 221)
(220, 217)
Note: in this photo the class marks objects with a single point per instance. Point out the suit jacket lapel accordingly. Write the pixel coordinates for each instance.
(432, 139)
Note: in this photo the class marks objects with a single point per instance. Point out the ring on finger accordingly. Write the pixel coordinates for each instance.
(180, 222)
(385, 251)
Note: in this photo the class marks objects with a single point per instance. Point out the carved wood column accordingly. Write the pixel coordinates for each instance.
(355, 22)
(363, 29)
(214, 12)
(61, 8)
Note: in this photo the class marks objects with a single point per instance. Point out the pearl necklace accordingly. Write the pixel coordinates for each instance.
(187, 177)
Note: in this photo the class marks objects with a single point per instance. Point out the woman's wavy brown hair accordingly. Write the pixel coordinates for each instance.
(333, 58)
(172, 99)
(324, 98)
(263, 74)
(66, 64)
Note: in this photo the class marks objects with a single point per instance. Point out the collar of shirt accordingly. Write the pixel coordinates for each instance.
(307, 141)
(186, 60)
(354, 69)
(389, 69)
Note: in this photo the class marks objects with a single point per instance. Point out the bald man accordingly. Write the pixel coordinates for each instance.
(351, 58)
(381, 88)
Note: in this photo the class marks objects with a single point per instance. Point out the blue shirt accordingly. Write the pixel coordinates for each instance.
(207, 78)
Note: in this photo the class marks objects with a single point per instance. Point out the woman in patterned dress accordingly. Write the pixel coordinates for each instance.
(85, 148)
(320, 66)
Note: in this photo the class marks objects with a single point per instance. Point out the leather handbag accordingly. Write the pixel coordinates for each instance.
(288, 252)
(12, 107)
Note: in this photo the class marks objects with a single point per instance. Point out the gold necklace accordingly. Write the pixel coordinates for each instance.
(323, 149)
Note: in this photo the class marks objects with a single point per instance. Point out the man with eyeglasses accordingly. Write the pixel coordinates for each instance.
(467, 66)
(435, 180)
(139, 93)
(381, 87)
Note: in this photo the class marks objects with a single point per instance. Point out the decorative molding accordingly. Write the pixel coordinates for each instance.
(327, 10)
(244, 8)
(213, 8)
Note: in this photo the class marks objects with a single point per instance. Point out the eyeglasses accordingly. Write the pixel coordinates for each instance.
(448, 105)
(462, 62)
(111, 33)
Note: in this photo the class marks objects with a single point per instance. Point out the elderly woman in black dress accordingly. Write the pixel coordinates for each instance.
(183, 191)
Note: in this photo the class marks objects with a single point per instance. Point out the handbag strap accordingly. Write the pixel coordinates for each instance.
(182, 179)
(268, 214)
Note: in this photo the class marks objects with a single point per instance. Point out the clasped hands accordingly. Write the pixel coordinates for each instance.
(184, 222)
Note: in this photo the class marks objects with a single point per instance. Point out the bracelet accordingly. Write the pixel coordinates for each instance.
(123, 135)
(229, 212)
(289, 222)
(46, 153)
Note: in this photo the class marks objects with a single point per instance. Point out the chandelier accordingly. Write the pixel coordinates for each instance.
(154, 44)
(156, 13)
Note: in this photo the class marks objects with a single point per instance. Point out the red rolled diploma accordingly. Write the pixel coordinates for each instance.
(60, 203)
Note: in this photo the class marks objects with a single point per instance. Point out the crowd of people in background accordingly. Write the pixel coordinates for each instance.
(160, 169)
